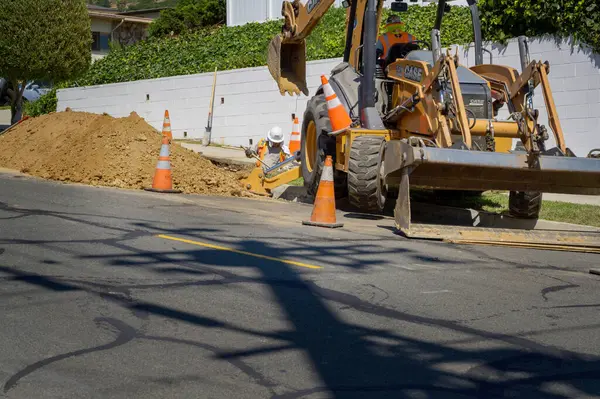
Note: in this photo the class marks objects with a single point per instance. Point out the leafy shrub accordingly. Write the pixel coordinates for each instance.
(188, 15)
(505, 19)
(44, 105)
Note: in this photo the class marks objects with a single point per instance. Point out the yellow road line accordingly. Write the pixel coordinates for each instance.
(218, 247)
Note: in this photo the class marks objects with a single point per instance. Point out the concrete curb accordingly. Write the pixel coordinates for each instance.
(292, 194)
(437, 214)
(446, 215)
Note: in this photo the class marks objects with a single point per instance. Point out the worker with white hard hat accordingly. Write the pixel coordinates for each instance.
(272, 150)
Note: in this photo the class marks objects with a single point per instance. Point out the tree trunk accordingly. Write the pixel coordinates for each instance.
(16, 111)
(16, 100)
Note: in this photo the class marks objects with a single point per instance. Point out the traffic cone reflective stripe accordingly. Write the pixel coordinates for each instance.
(332, 98)
(163, 181)
(323, 214)
(164, 151)
(333, 102)
(295, 137)
(337, 113)
(166, 131)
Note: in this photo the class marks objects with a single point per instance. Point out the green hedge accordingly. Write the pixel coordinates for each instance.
(245, 46)
(505, 19)
(225, 48)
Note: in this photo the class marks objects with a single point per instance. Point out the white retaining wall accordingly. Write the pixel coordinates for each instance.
(252, 104)
(247, 102)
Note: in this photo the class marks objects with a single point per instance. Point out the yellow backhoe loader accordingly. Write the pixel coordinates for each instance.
(420, 116)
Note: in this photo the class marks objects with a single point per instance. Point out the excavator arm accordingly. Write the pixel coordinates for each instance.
(286, 57)
(301, 17)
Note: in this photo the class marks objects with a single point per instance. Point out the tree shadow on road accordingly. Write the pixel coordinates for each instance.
(353, 360)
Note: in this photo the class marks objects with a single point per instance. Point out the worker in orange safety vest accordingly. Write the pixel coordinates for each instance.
(272, 150)
(393, 35)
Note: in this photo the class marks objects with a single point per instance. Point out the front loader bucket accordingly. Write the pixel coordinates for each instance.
(450, 169)
(287, 65)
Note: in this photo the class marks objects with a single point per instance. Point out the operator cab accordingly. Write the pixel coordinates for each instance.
(420, 55)
(397, 51)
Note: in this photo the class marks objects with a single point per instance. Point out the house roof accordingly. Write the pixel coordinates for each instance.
(99, 8)
(115, 16)
(144, 11)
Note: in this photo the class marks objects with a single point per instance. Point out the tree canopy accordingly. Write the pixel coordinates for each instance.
(42, 40)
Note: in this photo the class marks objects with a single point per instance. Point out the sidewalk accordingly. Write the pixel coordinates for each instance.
(572, 198)
(220, 154)
(4, 119)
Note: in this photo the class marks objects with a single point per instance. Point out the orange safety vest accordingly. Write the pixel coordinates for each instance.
(389, 39)
(262, 150)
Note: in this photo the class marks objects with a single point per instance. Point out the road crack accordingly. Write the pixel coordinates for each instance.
(556, 288)
(126, 334)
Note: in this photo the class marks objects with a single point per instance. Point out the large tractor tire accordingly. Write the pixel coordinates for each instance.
(316, 144)
(525, 205)
(365, 188)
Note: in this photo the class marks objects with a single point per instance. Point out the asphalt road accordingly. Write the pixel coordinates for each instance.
(124, 294)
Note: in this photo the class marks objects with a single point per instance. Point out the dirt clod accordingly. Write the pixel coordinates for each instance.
(105, 151)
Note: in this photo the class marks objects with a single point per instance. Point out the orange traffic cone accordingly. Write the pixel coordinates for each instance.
(295, 137)
(337, 113)
(323, 214)
(162, 177)
(166, 131)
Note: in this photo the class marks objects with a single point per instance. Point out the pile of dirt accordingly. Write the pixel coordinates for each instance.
(105, 151)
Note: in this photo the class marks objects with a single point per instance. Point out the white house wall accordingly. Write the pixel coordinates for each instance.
(101, 25)
(252, 104)
(240, 12)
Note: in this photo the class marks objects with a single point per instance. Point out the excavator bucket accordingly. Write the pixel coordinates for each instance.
(287, 65)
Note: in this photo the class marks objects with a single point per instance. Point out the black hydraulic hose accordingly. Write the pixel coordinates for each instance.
(350, 31)
(369, 56)
(440, 14)
(476, 31)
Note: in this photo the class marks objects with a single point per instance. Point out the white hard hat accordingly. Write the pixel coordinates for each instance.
(275, 135)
